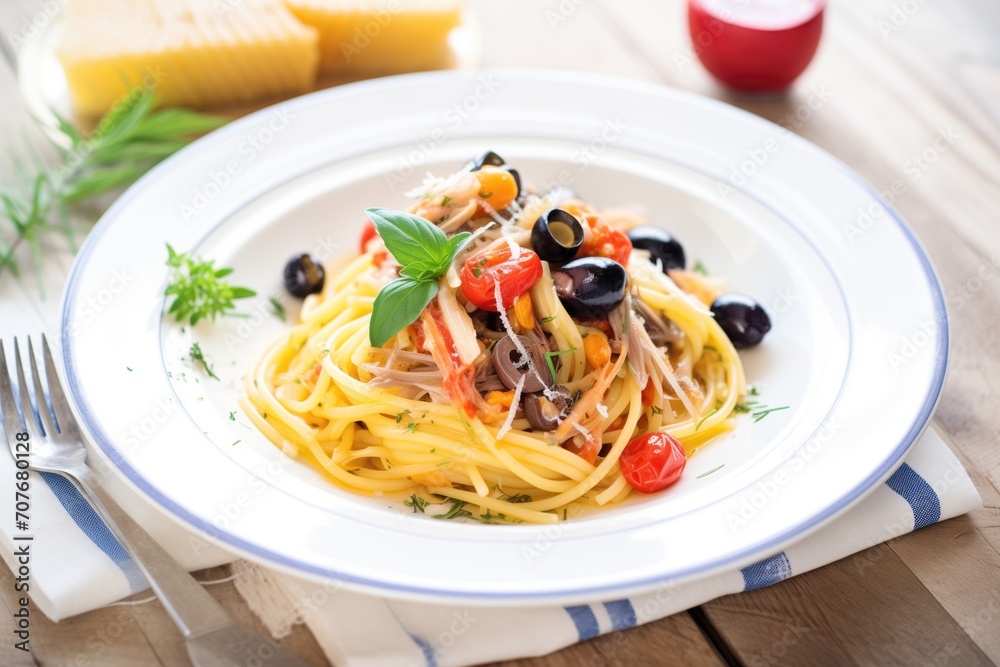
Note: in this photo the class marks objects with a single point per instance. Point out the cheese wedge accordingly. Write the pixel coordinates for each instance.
(198, 53)
(381, 36)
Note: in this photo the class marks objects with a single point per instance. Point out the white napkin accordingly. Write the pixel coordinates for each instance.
(363, 630)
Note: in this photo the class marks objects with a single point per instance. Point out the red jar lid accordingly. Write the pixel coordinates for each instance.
(755, 45)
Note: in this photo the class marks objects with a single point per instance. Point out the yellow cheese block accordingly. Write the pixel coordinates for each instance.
(380, 36)
(198, 53)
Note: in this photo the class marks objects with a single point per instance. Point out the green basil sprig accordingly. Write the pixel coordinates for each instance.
(425, 253)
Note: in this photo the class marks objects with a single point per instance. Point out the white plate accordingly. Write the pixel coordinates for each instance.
(858, 349)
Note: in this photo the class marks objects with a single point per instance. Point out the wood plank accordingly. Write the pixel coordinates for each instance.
(674, 640)
(959, 564)
(833, 616)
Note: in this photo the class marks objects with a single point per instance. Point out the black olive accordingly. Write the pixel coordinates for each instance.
(303, 276)
(488, 158)
(744, 320)
(511, 366)
(660, 244)
(556, 236)
(543, 413)
(590, 287)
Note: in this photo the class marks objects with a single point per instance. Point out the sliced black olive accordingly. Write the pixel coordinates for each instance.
(303, 276)
(660, 244)
(511, 366)
(544, 413)
(744, 320)
(557, 236)
(590, 287)
(488, 158)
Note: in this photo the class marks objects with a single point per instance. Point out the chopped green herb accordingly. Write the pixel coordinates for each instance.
(548, 359)
(564, 514)
(457, 511)
(657, 410)
(417, 503)
(445, 201)
(236, 443)
(442, 464)
(232, 416)
(546, 320)
(433, 449)
(129, 368)
(277, 309)
(706, 474)
(412, 427)
(197, 355)
(700, 268)
(519, 498)
(714, 410)
(765, 412)
(404, 413)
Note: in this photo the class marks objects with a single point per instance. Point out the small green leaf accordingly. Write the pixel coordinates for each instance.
(398, 305)
(410, 238)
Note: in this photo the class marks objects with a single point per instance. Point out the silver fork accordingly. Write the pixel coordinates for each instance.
(56, 445)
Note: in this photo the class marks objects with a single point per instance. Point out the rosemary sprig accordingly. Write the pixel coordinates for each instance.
(129, 140)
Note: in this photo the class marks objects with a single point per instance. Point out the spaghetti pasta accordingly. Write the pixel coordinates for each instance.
(427, 414)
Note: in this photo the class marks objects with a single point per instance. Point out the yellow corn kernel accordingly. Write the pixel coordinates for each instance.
(597, 349)
(502, 399)
(524, 312)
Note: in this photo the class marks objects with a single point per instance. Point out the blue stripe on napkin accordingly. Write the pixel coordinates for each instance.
(622, 614)
(585, 621)
(426, 649)
(429, 656)
(93, 527)
(766, 572)
(918, 493)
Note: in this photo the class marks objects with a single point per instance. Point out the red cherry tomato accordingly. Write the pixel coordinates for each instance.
(605, 241)
(652, 462)
(481, 273)
(367, 235)
(755, 46)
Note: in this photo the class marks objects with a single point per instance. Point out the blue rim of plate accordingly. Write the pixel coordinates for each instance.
(746, 556)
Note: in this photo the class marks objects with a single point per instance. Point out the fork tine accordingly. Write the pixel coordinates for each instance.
(29, 419)
(43, 406)
(11, 417)
(60, 404)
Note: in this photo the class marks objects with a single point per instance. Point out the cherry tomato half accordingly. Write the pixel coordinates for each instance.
(367, 235)
(481, 273)
(652, 462)
(603, 240)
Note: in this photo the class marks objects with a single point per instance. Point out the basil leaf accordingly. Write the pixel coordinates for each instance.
(421, 272)
(425, 271)
(455, 245)
(410, 238)
(398, 305)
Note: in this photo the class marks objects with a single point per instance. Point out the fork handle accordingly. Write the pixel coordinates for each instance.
(190, 606)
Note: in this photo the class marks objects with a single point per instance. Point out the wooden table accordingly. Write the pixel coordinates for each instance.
(890, 76)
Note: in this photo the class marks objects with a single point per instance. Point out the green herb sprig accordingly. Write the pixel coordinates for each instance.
(425, 254)
(128, 141)
(198, 289)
